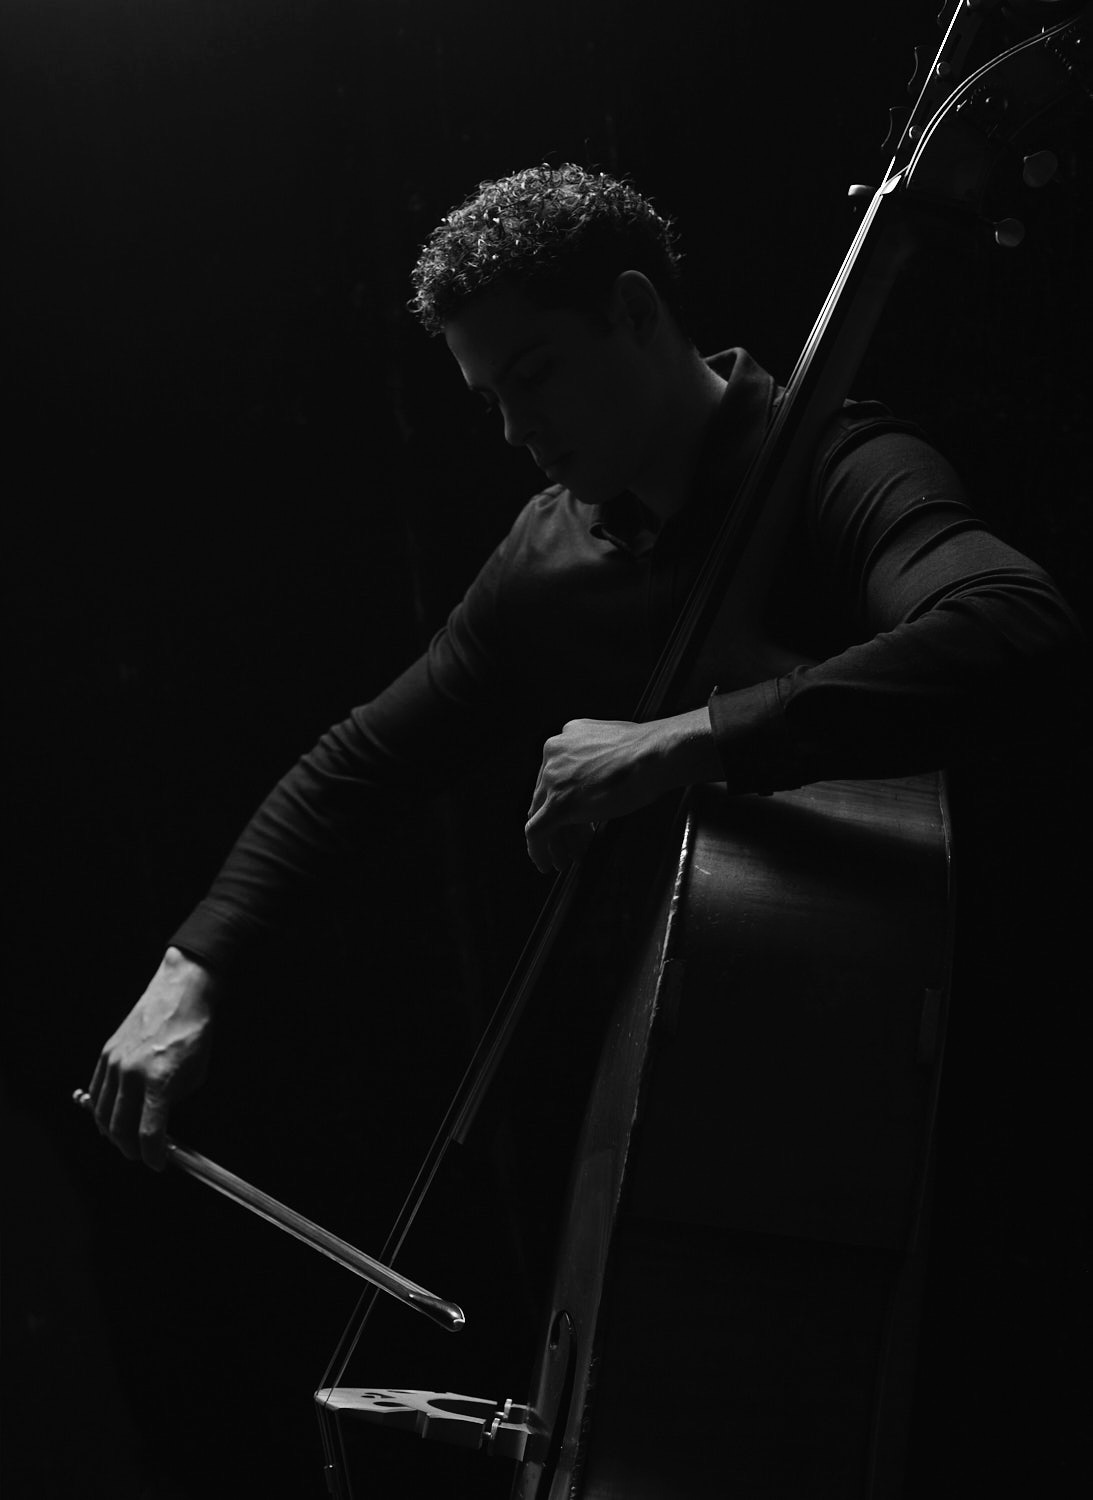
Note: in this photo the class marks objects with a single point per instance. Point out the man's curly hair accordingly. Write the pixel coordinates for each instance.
(560, 234)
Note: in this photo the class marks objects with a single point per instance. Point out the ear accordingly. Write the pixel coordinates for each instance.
(636, 301)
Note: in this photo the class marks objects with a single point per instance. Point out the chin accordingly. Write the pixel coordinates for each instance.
(587, 490)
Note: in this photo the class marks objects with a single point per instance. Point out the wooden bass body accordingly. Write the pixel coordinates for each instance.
(733, 1305)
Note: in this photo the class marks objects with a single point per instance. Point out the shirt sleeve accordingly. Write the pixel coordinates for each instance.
(446, 712)
(958, 638)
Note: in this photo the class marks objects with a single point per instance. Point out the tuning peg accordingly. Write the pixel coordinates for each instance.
(1009, 233)
(1039, 168)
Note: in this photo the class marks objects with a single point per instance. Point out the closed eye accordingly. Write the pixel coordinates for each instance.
(537, 374)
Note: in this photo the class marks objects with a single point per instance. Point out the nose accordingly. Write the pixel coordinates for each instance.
(518, 422)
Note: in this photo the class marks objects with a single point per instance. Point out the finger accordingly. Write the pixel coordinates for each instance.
(103, 1106)
(98, 1079)
(538, 850)
(539, 795)
(122, 1126)
(568, 844)
(581, 837)
(153, 1130)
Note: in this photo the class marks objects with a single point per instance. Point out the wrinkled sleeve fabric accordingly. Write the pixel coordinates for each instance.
(954, 637)
(443, 713)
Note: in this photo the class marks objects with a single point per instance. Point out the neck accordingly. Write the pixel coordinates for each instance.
(692, 396)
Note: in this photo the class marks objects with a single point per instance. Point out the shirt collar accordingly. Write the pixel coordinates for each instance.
(730, 442)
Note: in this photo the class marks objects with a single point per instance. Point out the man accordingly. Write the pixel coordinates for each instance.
(557, 293)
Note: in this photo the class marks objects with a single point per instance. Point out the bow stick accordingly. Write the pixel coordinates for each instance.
(447, 1314)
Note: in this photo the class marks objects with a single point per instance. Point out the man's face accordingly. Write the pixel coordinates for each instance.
(579, 397)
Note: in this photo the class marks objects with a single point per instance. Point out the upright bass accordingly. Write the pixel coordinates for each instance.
(710, 1086)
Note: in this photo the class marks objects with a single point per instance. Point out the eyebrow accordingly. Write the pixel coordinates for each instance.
(513, 359)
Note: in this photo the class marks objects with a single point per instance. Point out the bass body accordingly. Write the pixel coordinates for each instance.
(741, 1238)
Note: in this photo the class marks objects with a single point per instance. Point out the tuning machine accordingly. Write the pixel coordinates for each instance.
(1009, 233)
(1039, 168)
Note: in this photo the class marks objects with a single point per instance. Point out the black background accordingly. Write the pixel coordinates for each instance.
(241, 488)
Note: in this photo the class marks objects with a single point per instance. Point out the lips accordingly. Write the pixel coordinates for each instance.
(551, 466)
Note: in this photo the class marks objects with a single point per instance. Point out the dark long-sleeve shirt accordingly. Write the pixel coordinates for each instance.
(928, 632)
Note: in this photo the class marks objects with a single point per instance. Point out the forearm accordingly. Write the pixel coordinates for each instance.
(325, 817)
(939, 689)
(932, 639)
(685, 751)
(316, 824)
